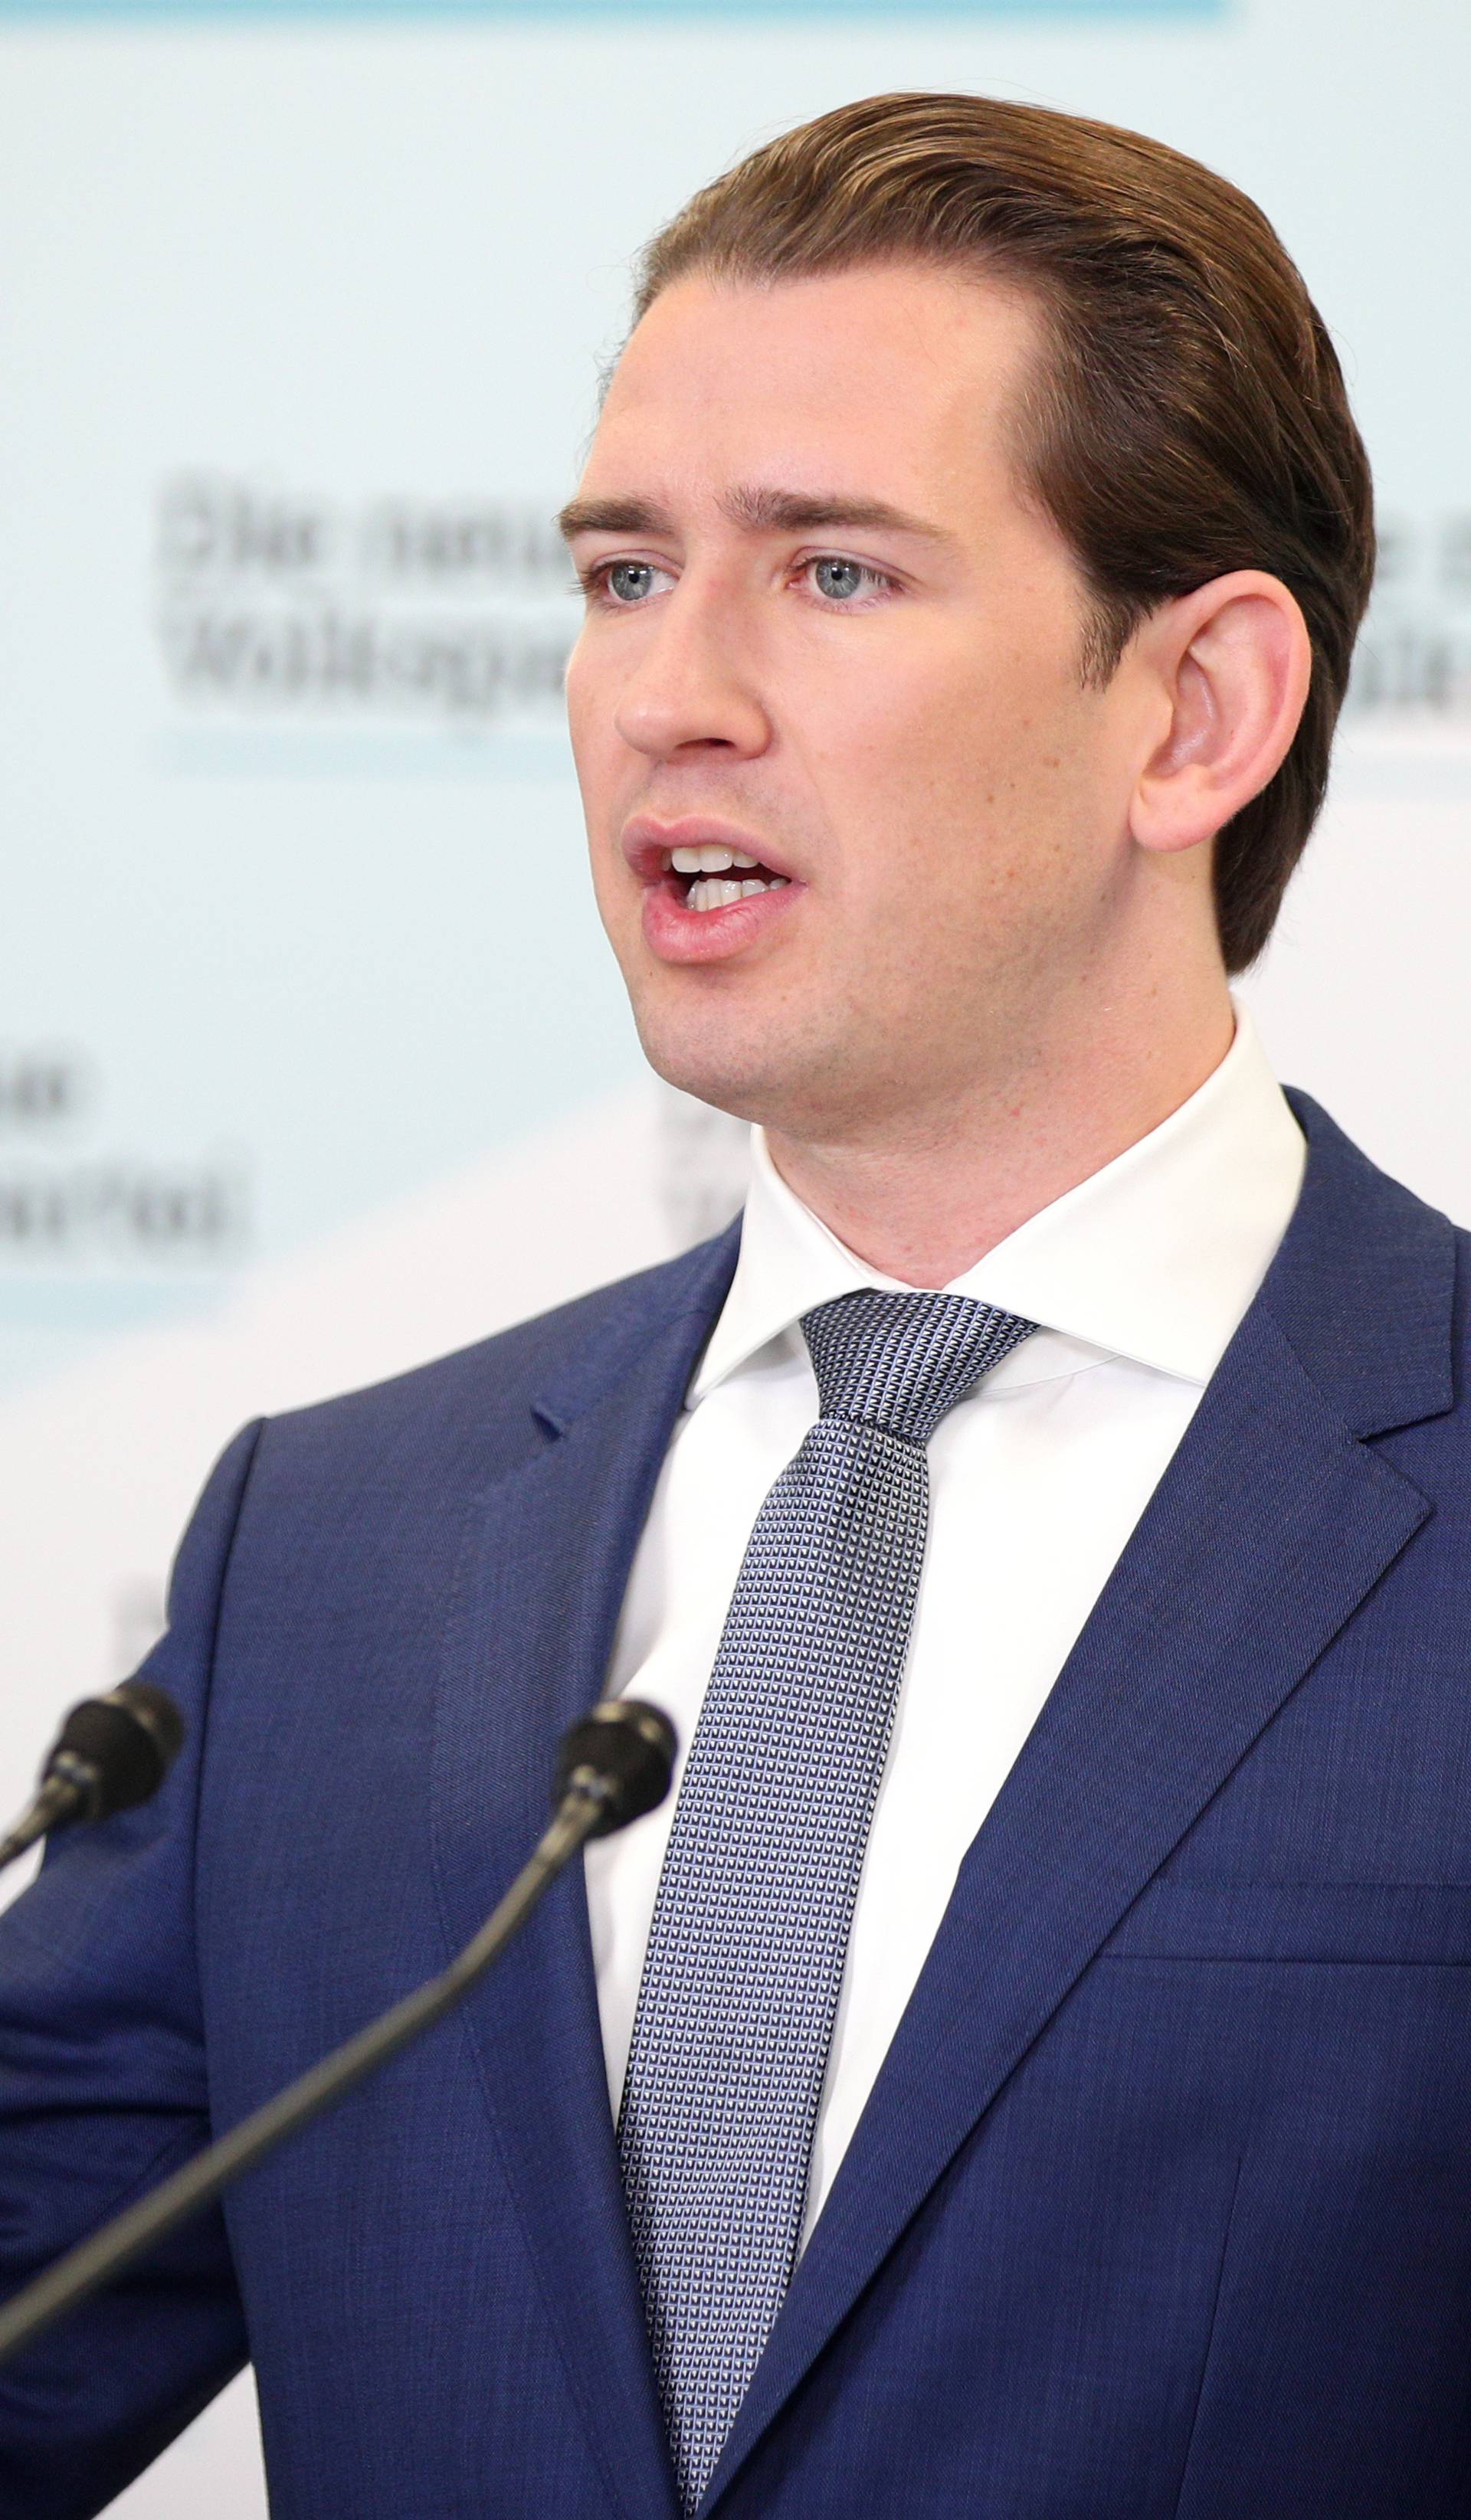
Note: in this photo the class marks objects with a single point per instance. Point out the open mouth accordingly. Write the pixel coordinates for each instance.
(711, 876)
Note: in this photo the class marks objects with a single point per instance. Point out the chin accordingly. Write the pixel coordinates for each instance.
(755, 1074)
(727, 1084)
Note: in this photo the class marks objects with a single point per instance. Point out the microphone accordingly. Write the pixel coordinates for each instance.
(111, 1753)
(622, 1755)
(612, 1768)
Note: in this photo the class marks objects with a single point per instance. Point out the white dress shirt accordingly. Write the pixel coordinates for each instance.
(1140, 1277)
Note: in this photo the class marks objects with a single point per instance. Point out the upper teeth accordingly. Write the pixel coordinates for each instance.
(710, 858)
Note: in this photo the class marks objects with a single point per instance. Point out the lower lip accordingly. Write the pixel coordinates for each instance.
(677, 934)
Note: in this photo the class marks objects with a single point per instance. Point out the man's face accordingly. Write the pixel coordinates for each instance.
(826, 634)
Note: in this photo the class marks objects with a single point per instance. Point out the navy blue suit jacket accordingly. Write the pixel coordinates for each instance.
(1162, 2203)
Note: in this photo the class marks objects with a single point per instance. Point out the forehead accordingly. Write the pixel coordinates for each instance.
(898, 372)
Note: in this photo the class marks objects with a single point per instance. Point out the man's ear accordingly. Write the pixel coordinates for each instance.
(1230, 665)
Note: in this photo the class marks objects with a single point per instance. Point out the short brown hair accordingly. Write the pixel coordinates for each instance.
(1190, 418)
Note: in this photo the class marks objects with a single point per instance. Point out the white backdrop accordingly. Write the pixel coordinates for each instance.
(303, 998)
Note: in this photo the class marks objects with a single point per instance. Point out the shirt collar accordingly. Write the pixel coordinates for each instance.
(1155, 1257)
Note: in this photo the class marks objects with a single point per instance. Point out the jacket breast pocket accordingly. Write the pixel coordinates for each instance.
(1200, 1917)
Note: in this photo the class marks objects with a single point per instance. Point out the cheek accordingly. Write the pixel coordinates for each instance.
(579, 688)
(1011, 751)
(591, 694)
(971, 806)
(960, 713)
(923, 758)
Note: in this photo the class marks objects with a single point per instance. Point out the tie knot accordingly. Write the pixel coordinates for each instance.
(901, 1361)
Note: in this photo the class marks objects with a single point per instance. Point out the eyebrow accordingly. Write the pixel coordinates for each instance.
(757, 510)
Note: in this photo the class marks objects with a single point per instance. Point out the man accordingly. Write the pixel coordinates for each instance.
(1026, 2071)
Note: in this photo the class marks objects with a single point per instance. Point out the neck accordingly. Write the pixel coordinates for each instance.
(922, 1196)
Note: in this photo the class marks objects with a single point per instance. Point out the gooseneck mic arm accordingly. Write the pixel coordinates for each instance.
(111, 1753)
(612, 1767)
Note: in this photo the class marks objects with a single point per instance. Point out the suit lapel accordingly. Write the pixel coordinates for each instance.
(1271, 1523)
(545, 1561)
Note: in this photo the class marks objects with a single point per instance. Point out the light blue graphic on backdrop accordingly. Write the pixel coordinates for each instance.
(794, 10)
(377, 984)
(359, 752)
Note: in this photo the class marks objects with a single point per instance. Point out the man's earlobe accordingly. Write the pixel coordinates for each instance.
(1234, 660)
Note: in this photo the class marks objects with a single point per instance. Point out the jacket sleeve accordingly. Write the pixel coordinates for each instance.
(103, 2092)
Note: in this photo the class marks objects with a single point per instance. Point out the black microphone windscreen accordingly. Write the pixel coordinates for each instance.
(131, 1738)
(155, 1708)
(630, 1747)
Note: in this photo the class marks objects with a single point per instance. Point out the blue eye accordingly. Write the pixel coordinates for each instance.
(629, 580)
(840, 579)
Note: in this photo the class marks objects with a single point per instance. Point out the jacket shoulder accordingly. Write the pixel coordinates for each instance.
(1370, 1286)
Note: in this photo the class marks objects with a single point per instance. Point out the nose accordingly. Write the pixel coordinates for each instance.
(693, 687)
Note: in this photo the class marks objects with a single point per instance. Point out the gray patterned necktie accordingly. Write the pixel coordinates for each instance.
(746, 1950)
